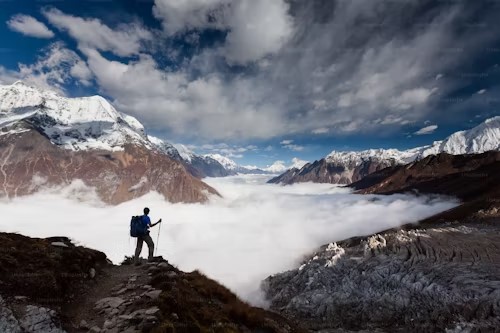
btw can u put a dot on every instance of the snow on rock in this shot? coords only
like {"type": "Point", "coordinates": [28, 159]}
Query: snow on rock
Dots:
{"type": "Point", "coordinates": [356, 158]}
{"type": "Point", "coordinates": [186, 154]}
{"type": "Point", "coordinates": [277, 167]}
{"type": "Point", "coordinates": [165, 147]}
{"type": "Point", "coordinates": [480, 139]}
{"type": "Point", "coordinates": [73, 123]}
{"type": "Point", "coordinates": [226, 162]}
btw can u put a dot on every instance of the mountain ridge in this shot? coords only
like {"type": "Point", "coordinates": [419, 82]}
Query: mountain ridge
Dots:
{"type": "Point", "coordinates": [346, 167]}
{"type": "Point", "coordinates": [50, 140]}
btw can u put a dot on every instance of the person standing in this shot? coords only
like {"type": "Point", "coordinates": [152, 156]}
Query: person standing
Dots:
{"type": "Point", "coordinates": [145, 237]}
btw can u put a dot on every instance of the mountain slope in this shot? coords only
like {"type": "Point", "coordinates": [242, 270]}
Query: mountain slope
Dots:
{"type": "Point", "coordinates": [51, 285]}
{"type": "Point", "coordinates": [349, 167]}
{"type": "Point", "coordinates": [438, 275]}
{"type": "Point", "coordinates": [47, 140]}
{"type": "Point", "coordinates": [199, 166]}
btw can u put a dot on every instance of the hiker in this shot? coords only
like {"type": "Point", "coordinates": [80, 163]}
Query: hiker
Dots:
{"type": "Point", "coordinates": [145, 237]}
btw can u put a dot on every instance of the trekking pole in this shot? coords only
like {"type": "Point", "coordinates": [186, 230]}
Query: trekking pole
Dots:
{"type": "Point", "coordinates": [158, 240]}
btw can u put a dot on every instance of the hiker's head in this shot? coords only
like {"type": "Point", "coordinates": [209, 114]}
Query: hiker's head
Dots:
{"type": "Point", "coordinates": [146, 211]}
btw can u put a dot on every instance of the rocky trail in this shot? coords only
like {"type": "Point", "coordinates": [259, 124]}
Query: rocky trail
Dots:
{"type": "Point", "coordinates": [52, 286]}
{"type": "Point", "coordinates": [122, 300]}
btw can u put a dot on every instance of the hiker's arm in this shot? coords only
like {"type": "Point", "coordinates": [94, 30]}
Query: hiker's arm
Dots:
{"type": "Point", "coordinates": [159, 221]}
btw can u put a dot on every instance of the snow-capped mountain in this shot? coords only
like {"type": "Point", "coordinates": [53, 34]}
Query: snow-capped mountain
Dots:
{"type": "Point", "coordinates": [480, 139]}
{"type": "Point", "coordinates": [198, 165]}
{"type": "Point", "coordinates": [72, 123]}
{"type": "Point", "coordinates": [48, 140]}
{"type": "Point", "coordinates": [345, 167]}
{"type": "Point", "coordinates": [226, 162]}
{"type": "Point", "coordinates": [233, 167]}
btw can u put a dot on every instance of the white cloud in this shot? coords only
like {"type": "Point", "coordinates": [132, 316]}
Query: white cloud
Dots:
{"type": "Point", "coordinates": [411, 98]}
{"type": "Point", "coordinates": [254, 231]}
{"type": "Point", "coordinates": [288, 144]}
{"type": "Point", "coordinates": [426, 130]}
{"type": "Point", "coordinates": [53, 70]}
{"type": "Point", "coordinates": [179, 16]}
{"type": "Point", "coordinates": [8, 76]}
{"type": "Point", "coordinates": [481, 92]}
{"type": "Point", "coordinates": [321, 130]}
{"type": "Point", "coordinates": [256, 28]}
{"type": "Point", "coordinates": [298, 163]}
{"type": "Point", "coordinates": [206, 107]}
{"type": "Point", "coordinates": [125, 40]}
{"type": "Point", "coordinates": [294, 147]}
{"type": "Point", "coordinates": [29, 26]}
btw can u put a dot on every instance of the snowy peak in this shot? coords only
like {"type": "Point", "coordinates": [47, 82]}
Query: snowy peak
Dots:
{"type": "Point", "coordinates": [73, 123]}
{"type": "Point", "coordinates": [480, 139]}
{"type": "Point", "coordinates": [356, 158]}
{"type": "Point", "coordinates": [226, 162]}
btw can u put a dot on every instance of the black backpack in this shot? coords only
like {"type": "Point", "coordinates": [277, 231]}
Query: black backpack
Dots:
{"type": "Point", "coordinates": [137, 227]}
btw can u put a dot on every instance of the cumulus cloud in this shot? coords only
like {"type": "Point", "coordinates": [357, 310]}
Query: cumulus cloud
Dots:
{"type": "Point", "coordinates": [29, 26]}
{"type": "Point", "coordinates": [125, 40]}
{"type": "Point", "coordinates": [56, 67]}
{"type": "Point", "coordinates": [256, 28]}
{"type": "Point", "coordinates": [254, 231]}
{"type": "Point", "coordinates": [207, 107]}
{"type": "Point", "coordinates": [426, 130]}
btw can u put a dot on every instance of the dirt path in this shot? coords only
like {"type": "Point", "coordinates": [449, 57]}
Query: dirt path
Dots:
{"type": "Point", "coordinates": [126, 282]}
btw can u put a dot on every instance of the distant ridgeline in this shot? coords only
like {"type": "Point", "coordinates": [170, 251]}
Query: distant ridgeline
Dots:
{"type": "Point", "coordinates": [348, 167]}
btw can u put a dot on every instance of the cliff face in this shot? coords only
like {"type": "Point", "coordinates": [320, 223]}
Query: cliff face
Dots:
{"type": "Point", "coordinates": [29, 161]}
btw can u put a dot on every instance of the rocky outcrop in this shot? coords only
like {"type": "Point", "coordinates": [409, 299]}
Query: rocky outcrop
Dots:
{"type": "Point", "coordinates": [47, 287]}
{"type": "Point", "coordinates": [30, 162]}
{"type": "Point", "coordinates": [400, 281]}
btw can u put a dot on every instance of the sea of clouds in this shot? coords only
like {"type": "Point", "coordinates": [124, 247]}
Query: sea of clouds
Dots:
{"type": "Point", "coordinates": [253, 231]}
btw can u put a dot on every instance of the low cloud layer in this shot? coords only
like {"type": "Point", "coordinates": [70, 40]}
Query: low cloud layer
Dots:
{"type": "Point", "coordinates": [256, 230]}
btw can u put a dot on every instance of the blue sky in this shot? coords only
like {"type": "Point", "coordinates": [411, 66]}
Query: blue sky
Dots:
{"type": "Point", "coordinates": [261, 81]}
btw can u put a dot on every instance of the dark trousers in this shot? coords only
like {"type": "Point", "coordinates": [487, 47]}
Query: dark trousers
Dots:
{"type": "Point", "coordinates": [151, 246]}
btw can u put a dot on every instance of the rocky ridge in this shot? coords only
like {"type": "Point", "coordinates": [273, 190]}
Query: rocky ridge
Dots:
{"type": "Point", "coordinates": [51, 285]}
{"type": "Point", "coordinates": [346, 167]}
